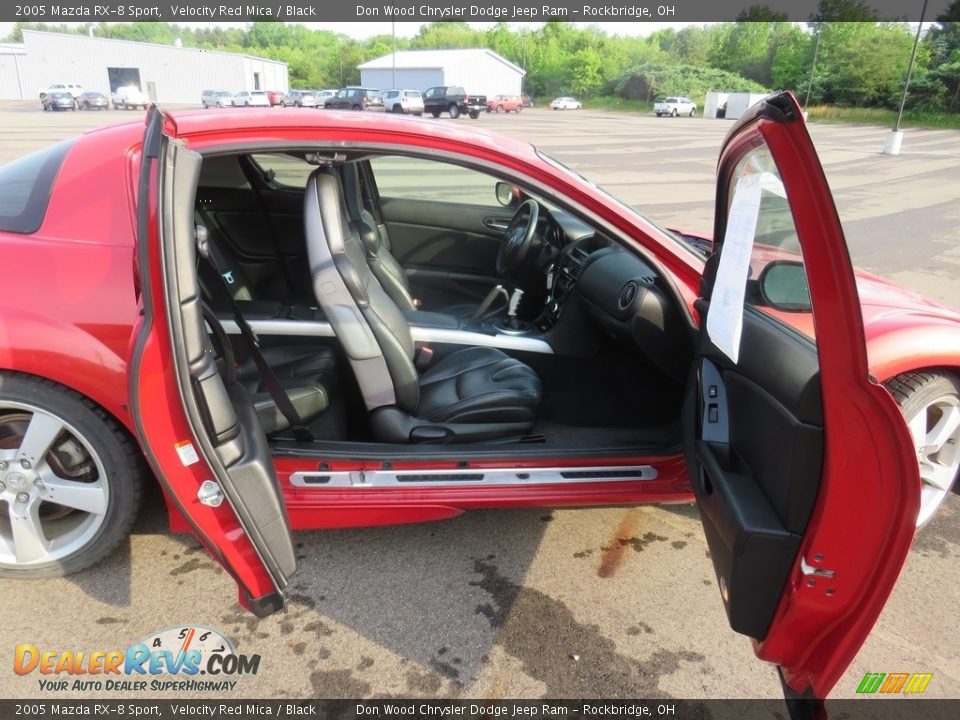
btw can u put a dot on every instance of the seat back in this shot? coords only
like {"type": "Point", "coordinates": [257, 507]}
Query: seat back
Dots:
{"type": "Point", "coordinates": [384, 265]}
{"type": "Point", "coordinates": [237, 281]}
{"type": "Point", "coordinates": [370, 326]}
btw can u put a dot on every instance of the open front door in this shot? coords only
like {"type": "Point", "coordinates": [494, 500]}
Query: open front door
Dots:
{"type": "Point", "coordinates": [197, 427]}
{"type": "Point", "coordinates": [801, 463]}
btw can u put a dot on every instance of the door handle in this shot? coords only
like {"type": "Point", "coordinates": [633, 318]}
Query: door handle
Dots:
{"type": "Point", "coordinates": [496, 224]}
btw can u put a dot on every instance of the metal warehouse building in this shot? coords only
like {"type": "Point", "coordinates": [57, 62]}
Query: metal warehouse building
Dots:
{"type": "Point", "coordinates": [165, 72]}
{"type": "Point", "coordinates": [478, 71]}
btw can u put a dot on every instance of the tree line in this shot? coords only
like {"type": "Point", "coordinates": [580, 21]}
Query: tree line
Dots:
{"type": "Point", "coordinates": [841, 56]}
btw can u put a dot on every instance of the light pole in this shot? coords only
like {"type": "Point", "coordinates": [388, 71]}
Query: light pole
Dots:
{"type": "Point", "coordinates": [393, 32]}
{"type": "Point", "coordinates": [895, 138]}
{"type": "Point", "coordinates": [813, 68]}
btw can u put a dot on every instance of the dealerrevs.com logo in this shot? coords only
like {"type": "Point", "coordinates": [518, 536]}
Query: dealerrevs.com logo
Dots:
{"type": "Point", "coordinates": [188, 658]}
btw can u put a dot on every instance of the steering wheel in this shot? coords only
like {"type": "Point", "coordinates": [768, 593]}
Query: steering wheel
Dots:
{"type": "Point", "coordinates": [518, 236]}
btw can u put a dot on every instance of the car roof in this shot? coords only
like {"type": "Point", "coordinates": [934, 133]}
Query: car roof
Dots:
{"type": "Point", "coordinates": [262, 121]}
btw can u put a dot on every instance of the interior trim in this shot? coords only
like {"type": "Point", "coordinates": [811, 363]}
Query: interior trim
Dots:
{"type": "Point", "coordinates": [312, 328]}
{"type": "Point", "coordinates": [472, 477]}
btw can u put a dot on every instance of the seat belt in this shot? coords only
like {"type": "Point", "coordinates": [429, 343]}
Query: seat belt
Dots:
{"type": "Point", "coordinates": [269, 378]}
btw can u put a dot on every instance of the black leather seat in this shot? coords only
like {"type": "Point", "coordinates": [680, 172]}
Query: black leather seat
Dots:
{"type": "Point", "coordinates": [474, 394]}
{"type": "Point", "coordinates": [383, 264]}
{"type": "Point", "coordinates": [306, 372]}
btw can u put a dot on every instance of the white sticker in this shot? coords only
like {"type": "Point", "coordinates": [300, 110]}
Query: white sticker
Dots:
{"type": "Point", "coordinates": [725, 316]}
{"type": "Point", "coordinates": [187, 452]}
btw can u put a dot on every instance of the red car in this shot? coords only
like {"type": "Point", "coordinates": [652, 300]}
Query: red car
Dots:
{"type": "Point", "coordinates": [314, 321]}
{"type": "Point", "coordinates": [505, 103]}
{"type": "Point", "coordinates": [276, 97]}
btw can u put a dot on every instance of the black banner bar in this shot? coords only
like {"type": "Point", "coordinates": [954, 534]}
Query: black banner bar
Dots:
{"type": "Point", "coordinates": [457, 10]}
{"type": "Point", "coordinates": [874, 708]}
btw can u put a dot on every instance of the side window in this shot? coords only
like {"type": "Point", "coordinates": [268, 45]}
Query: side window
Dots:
{"type": "Point", "coordinates": [418, 179]}
{"type": "Point", "coordinates": [761, 264]}
{"type": "Point", "coordinates": [25, 186]}
{"type": "Point", "coordinates": [284, 170]}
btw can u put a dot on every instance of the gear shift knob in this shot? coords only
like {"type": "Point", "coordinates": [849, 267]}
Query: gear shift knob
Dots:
{"type": "Point", "coordinates": [514, 302]}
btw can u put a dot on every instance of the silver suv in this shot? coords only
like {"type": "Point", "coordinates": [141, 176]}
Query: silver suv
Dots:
{"type": "Point", "coordinates": [409, 102]}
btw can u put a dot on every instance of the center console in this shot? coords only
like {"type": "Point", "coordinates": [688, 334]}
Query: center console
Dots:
{"type": "Point", "coordinates": [565, 276]}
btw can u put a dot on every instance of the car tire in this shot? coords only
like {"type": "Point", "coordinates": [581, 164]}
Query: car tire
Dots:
{"type": "Point", "coordinates": [474, 114]}
{"type": "Point", "coordinates": [453, 111]}
{"type": "Point", "coordinates": [435, 113]}
{"type": "Point", "coordinates": [518, 109]}
{"type": "Point", "coordinates": [693, 112]}
{"type": "Point", "coordinates": [205, 106]}
{"type": "Point", "coordinates": [674, 113]}
{"type": "Point", "coordinates": [930, 403]}
{"type": "Point", "coordinates": [90, 444]}
{"type": "Point", "coordinates": [499, 109]}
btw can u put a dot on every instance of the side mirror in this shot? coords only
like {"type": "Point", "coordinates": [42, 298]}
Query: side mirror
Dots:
{"type": "Point", "coordinates": [507, 194]}
{"type": "Point", "coordinates": [783, 286]}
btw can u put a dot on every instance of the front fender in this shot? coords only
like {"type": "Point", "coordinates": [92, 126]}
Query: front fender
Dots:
{"type": "Point", "coordinates": [907, 341]}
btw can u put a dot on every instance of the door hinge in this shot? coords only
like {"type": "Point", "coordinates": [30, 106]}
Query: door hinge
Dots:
{"type": "Point", "coordinates": [210, 494]}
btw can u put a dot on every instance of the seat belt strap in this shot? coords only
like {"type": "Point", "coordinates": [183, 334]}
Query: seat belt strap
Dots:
{"type": "Point", "coordinates": [269, 378]}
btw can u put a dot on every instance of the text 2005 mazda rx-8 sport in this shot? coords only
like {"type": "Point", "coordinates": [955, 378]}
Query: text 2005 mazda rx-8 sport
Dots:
{"type": "Point", "coordinates": [301, 322]}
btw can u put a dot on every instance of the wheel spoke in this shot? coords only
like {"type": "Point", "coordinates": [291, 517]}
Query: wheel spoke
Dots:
{"type": "Point", "coordinates": [41, 432]}
{"type": "Point", "coordinates": [937, 475]}
{"type": "Point", "coordinates": [918, 429]}
{"type": "Point", "coordinates": [29, 542]}
{"type": "Point", "coordinates": [88, 497]}
{"type": "Point", "coordinates": [944, 429]}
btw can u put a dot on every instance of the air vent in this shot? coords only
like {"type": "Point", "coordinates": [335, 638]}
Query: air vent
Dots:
{"type": "Point", "coordinates": [627, 295]}
{"type": "Point", "coordinates": [575, 262]}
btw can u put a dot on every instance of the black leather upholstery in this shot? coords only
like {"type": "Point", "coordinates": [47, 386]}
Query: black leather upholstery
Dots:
{"type": "Point", "coordinates": [478, 385]}
{"type": "Point", "coordinates": [382, 262]}
{"type": "Point", "coordinates": [475, 393]}
{"type": "Point", "coordinates": [308, 374]}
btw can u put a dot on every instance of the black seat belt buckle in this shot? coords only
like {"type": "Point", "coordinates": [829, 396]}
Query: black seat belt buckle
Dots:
{"type": "Point", "coordinates": [423, 357]}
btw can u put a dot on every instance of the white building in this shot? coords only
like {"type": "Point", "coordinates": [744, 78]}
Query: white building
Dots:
{"type": "Point", "coordinates": [478, 71]}
{"type": "Point", "coordinates": [165, 72]}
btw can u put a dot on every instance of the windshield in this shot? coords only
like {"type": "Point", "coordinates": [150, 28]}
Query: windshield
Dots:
{"type": "Point", "coordinates": [696, 249]}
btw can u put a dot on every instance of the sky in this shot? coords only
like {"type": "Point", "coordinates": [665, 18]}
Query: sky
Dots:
{"type": "Point", "coordinates": [363, 30]}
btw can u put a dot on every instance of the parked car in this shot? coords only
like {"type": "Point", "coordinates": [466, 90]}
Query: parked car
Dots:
{"type": "Point", "coordinates": [92, 100]}
{"type": "Point", "coordinates": [216, 98]}
{"type": "Point", "coordinates": [454, 101]}
{"type": "Point", "coordinates": [355, 98]}
{"type": "Point", "coordinates": [251, 98]}
{"type": "Point", "coordinates": [674, 106]}
{"type": "Point", "coordinates": [565, 103]}
{"type": "Point", "coordinates": [59, 101]}
{"type": "Point", "coordinates": [75, 89]}
{"type": "Point", "coordinates": [300, 98]}
{"type": "Point", "coordinates": [527, 100]}
{"type": "Point", "coordinates": [322, 96]}
{"type": "Point", "coordinates": [654, 366]}
{"type": "Point", "coordinates": [505, 103]}
{"type": "Point", "coordinates": [129, 96]}
{"type": "Point", "coordinates": [275, 97]}
{"type": "Point", "coordinates": [409, 102]}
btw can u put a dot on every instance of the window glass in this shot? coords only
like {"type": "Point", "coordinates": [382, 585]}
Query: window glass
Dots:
{"type": "Point", "coordinates": [288, 171]}
{"type": "Point", "coordinates": [419, 179]}
{"type": "Point", "coordinates": [776, 278]}
{"type": "Point", "coordinates": [25, 186]}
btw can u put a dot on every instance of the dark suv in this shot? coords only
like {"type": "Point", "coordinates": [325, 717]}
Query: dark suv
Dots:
{"type": "Point", "coordinates": [355, 98]}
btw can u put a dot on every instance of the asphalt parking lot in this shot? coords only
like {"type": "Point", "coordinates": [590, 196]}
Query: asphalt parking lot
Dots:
{"type": "Point", "coordinates": [603, 603]}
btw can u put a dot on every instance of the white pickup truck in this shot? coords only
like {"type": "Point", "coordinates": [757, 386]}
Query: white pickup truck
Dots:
{"type": "Point", "coordinates": [674, 106]}
{"type": "Point", "coordinates": [129, 96]}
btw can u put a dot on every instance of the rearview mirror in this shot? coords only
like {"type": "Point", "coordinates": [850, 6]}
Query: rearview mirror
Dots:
{"type": "Point", "coordinates": [507, 193]}
{"type": "Point", "coordinates": [783, 286]}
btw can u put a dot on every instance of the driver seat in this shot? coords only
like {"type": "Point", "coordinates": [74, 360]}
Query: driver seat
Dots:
{"type": "Point", "coordinates": [383, 264]}
{"type": "Point", "coordinates": [477, 393]}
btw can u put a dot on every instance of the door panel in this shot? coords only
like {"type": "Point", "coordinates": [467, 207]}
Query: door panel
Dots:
{"type": "Point", "coordinates": [801, 463]}
{"type": "Point", "coordinates": [199, 431]}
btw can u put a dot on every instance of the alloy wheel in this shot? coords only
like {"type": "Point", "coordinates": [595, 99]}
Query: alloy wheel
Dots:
{"type": "Point", "coordinates": [935, 429]}
{"type": "Point", "coordinates": [54, 493]}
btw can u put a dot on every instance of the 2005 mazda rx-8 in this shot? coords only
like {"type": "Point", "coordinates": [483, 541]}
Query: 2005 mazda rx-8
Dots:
{"type": "Point", "coordinates": [340, 320]}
